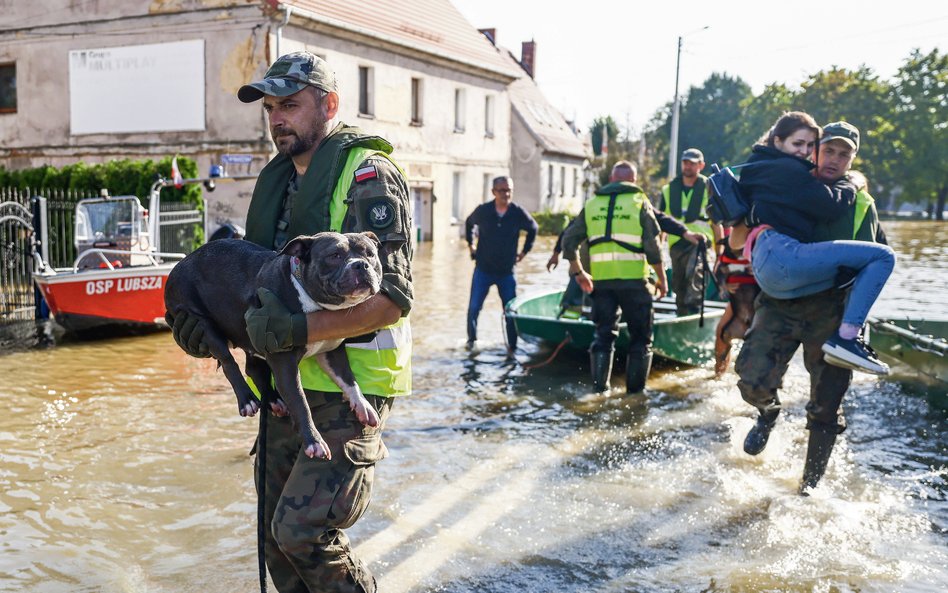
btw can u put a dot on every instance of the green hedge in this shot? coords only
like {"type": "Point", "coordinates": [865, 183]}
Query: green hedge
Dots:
{"type": "Point", "coordinates": [552, 223]}
{"type": "Point", "coordinates": [122, 178]}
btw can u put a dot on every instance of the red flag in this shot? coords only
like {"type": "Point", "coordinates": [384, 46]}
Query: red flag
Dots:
{"type": "Point", "coordinates": [176, 174]}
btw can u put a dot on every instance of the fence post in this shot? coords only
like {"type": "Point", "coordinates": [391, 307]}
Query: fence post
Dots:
{"type": "Point", "coordinates": [38, 206]}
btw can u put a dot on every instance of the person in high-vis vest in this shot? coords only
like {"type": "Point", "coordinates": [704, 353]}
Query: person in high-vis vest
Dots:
{"type": "Point", "coordinates": [340, 179]}
{"type": "Point", "coordinates": [781, 326]}
{"type": "Point", "coordinates": [685, 198]}
{"type": "Point", "coordinates": [622, 234]}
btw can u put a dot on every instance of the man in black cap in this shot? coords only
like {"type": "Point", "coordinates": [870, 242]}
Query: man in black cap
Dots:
{"type": "Point", "coordinates": [324, 178]}
{"type": "Point", "coordinates": [685, 198]}
{"type": "Point", "coordinates": [781, 326]}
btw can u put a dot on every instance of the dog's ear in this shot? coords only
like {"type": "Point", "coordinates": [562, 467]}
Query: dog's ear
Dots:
{"type": "Point", "coordinates": [298, 247]}
{"type": "Point", "coordinates": [374, 238]}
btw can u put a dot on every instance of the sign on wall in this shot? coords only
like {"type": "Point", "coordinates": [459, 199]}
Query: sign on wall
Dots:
{"type": "Point", "coordinates": [140, 88]}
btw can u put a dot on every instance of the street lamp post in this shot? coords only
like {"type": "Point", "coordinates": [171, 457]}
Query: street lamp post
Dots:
{"type": "Point", "coordinates": [676, 108]}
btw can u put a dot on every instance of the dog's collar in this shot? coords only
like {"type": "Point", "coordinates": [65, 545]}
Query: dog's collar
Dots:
{"type": "Point", "coordinates": [296, 276]}
{"type": "Point", "coordinates": [295, 268]}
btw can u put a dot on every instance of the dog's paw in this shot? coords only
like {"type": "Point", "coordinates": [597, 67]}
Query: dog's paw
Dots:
{"type": "Point", "coordinates": [249, 409]}
{"type": "Point", "coordinates": [279, 408]}
{"type": "Point", "coordinates": [365, 412]}
{"type": "Point", "coordinates": [318, 450]}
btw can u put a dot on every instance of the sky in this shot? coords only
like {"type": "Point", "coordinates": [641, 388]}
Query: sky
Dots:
{"type": "Point", "coordinates": [617, 57]}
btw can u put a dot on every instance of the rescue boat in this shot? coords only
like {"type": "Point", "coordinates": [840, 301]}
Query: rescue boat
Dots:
{"type": "Point", "coordinates": [117, 279]}
{"type": "Point", "coordinates": [687, 339]}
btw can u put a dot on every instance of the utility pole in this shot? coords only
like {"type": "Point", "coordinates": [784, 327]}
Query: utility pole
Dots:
{"type": "Point", "coordinates": [673, 141]}
{"type": "Point", "coordinates": [676, 108]}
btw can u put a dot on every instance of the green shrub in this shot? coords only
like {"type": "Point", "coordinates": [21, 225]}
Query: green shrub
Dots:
{"type": "Point", "coordinates": [552, 223]}
{"type": "Point", "coordinates": [120, 177]}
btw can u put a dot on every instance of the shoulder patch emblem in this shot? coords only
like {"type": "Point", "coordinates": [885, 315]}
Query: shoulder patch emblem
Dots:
{"type": "Point", "coordinates": [380, 215]}
{"type": "Point", "coordinates": [366, 173]}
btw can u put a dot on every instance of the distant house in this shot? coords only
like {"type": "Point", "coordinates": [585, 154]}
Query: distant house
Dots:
{"type": "Point", "coordinates": [93, 81]}
{"type": "Point", "coordinates": [548, 159]}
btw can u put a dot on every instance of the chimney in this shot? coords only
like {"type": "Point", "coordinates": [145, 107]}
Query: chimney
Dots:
{"type": "Point", "coordinates": [491, 34]}
{"type": "Point", "coordinates": [528, 57]}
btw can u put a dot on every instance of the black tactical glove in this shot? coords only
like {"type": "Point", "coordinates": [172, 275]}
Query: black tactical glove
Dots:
{"type": "Point", "coordinates": [188, 332]}
{"type": "Point", "coordinates": [272, 327]}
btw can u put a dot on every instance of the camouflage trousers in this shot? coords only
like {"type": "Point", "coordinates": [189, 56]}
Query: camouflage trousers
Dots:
{"type": "Point", "coordinates": [310, 501]}
{"type": "Point", "coordinates": [687, 272]}
{"type": "Point", "coordinates": [779, 328]}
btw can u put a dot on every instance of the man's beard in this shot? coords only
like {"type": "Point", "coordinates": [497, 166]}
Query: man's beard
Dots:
{"type": "Point", "coordinates": [301, 142]}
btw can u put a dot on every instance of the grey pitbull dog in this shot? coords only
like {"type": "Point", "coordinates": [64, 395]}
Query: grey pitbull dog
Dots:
{"type": "Point", "coordinates": [219, 281]}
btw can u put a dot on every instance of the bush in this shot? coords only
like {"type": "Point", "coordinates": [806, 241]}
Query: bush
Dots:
{"type": "Point", "coordinates": [552, 223]}
{"type": "Point", "coordinates": [121, 178]}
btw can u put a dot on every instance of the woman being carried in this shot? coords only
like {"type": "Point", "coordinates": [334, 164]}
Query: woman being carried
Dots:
{"type": "Point", "coordinates": [786, 202]}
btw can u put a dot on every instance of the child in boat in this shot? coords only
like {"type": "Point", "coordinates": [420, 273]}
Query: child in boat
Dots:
{"type": "Point", "coordinates": [786, 201]}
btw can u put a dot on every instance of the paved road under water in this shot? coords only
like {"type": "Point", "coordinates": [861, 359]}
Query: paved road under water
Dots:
{"type": "Point", "coordinates": [124, 467]}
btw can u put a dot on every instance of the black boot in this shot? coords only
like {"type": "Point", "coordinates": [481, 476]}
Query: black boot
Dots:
{"type": "Point", "coordinates": [601, 365]}
{"type": "Point", "coordinates": [756, 439]}
{"type": "Point", "coordinates": [818, 450]}
{"type": "Point", "coordinates": [636, 372]}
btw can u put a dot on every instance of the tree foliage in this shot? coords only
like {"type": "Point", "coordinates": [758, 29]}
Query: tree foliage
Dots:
{"type": "Point", "coordinates": [920, 122]}
{"type": "Point", "coordinates": [121, 178]}
{"type": "Point", "coordinates": [704, 115]}
{"type": "Point", "coordinates": [902, 123]}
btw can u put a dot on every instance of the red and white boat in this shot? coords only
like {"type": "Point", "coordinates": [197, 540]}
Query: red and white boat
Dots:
{"type": "Point", "coordinates": [117, 280]}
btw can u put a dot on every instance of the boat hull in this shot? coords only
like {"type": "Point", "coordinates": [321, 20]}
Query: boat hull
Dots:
{"type": "Point", "coordinates": [684, 339]}
{"type": "Point", "coordinates": [124, 298]}
{"type": "Point", "coordinates": [920, 344]}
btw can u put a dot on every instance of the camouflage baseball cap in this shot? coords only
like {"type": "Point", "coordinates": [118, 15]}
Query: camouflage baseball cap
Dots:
{"type": "Point", "coordinates": [841, 130]}
{"type": "Point", "coordinates": [288, 75]}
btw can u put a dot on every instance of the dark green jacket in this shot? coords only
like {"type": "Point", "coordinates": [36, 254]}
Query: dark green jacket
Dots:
{"type": "Point", "coordinates": [310, 213]}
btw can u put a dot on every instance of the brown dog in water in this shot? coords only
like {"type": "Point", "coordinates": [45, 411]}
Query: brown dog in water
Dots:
{"type": "Point", "coordinates": [737, 284]}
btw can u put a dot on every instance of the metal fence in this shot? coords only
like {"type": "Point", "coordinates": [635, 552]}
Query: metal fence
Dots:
{"type": "Point", "coordinates": [181, 231]}
{"type": "Point", "coordinates": [17, 300]}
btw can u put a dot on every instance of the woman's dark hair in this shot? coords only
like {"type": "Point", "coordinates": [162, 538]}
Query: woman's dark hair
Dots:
{"type": "Point", "coordinates": [787, 124]}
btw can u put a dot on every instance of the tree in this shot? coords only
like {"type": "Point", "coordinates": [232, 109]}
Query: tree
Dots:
{"type": "Point", "coordinates": [920, 123]}
{"type": "Point", "coordinates": [862, 99]}
{"type": "Point", "coordinates": [756, 116]}
{"type": "Point", "coordinates": [705, 113]}
{"type": "Point", "coordinates": [596, 130]}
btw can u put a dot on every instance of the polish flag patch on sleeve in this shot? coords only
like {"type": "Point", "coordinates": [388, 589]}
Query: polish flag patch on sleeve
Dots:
{"type": "Point", "coordinates": [365, 173]}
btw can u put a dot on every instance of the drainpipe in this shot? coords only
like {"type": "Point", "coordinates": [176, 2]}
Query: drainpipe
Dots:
{"type": "Point", "coordinates": [288, 10]}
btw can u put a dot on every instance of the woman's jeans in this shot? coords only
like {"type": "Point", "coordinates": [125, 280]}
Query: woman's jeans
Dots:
{"type": "Point", "coordinates": [788, 269]}
{"type": "Point", "coordinates": [480, 286]}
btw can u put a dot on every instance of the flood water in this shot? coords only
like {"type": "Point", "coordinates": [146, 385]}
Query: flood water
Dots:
{"type": "Point", "coordinates": [124, 467]}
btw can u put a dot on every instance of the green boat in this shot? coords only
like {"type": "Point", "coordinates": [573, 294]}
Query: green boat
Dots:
{"type": "Point", "coordinates": [681, 339]}
{"type": "Point", "coordinates": [920, 344]}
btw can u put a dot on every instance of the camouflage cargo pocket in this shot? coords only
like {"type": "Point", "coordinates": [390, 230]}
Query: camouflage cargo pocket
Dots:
{"type": "Point", "coordinates": [356, 492]}
{"type": "Point", "coordinates": [366, 449]}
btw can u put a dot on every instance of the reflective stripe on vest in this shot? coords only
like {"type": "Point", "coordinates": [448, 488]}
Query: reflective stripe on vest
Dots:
{"type": "Point", "coordinates": [381, 366]}
{"type": "Point", "coordinates": [608, 259]}
{"type": "Point", "coordinates": [863, 201]}
{"type": "Point", "coordinates": [698, 226]}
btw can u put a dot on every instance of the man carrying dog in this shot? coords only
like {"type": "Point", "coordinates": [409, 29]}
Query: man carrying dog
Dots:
{"type": "Point", "coordinates": [685, 198]}
{"type": "Point", "coordinates": [780, 326]}
{"type": "Point", "coordinates": [324, 178]}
